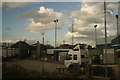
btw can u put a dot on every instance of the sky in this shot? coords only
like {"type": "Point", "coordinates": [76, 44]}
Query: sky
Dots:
{"type": "Point", "coordinates": [28, 20]}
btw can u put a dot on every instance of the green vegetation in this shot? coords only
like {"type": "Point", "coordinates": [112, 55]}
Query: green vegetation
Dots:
{"type": "Point", "coordinates": [95, 56]}
{"type": "Point", "coordinates": [93, 52]}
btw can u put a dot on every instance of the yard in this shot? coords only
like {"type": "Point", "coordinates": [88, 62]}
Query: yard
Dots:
{"type": "Point", "coordinates": [34, 69]}
{"type": "Point", "coordinates": [36, 65]}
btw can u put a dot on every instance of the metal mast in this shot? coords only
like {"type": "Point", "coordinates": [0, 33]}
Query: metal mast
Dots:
{"type": "Point", "coordinates": [105, 39]}
{"type": "Point", "coordinates": [55, 21]}
{"type": "Point", "coordinates": [72, 33]}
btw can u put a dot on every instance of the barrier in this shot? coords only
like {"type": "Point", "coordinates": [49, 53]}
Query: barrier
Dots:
{"type": "Point", "coordinates": [62, 70]}
{"type": "Point", "coordinates": [105, 65]}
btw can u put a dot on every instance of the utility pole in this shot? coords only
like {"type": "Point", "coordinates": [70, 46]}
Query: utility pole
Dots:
{"type": "Point", "coordinates": [47, 42]}
{"type": "Point", "coordinates": [43, 38]}
{"type": "Point", "coordinates": [43, 55]}
{"type": "Point", "coordinates": [95, 26]}
{"type": "Point", "coordinates": [55, 21]}
{"type": "Point", "coordinates": [72, 33]}
{"type": "Point", "coordinates": [106, 71]}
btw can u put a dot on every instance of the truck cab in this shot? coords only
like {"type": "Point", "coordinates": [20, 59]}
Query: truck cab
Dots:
{"type": "Point", "coordinates": [78, 55]}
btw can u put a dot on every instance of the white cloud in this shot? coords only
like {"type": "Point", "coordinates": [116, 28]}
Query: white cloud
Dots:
{"type": "Point", "coordinates": [7, 41]}
{"type": "Point", "coordinates": [29, 40]}
{"type": "Point", "coordinates": [102, 40]}
{"type": "Point", "coordinates": [76, 34]}
{"type": "Point", "coordinates": [90, 14]}
{"type": "Point", "coordinates": [43, 19]}
{"type": "Point", "coordinates": [78, 38]}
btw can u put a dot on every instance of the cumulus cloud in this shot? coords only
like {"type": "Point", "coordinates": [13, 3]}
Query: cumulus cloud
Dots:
{"type": "Point", "coordinates": [43, 19]}
{"type": "Point", "coordinates": [76, 34]}
{"type": "Point", "coordinates": [90, 14]}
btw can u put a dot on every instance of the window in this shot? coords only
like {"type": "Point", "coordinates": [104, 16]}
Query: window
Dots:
{"type": "Point", "coordinates": [75, 57]}
{"type": "Point", "coordinates": [76, 50]}
{"type": "Point", "coordinates": [82, 56]}
{"type": "Point", "coordinates": [82, 47]}
{"type": "Point", "coordinates": [68, 57]}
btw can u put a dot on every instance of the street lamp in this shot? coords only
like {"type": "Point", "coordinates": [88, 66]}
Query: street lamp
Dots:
{"type": "Point", "coordinates": [47, 42]}
{"type": "Point", "coordinates": [117, 30]}
{"type": "Point", "coordinates": [55, 21]}
{"type": "Point", "coordinates": [95, 35]}
{"type": "Point", "coordinates": [63, 41]}
{"type": "Point", "coordinates": [117, 17]}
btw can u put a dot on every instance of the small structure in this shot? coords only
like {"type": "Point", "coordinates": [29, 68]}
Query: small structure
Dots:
{"type": "Point", "coordinates": [112, 43]}
{"type": "Point", "coordinates": [37, 50]}
{"type": "Point", "coordinates": [58, 54]}
{"type": "Point", "coordinates": [110, 57]}
{"type": "Point", "coordinates": [23, 49]}
{"type": "Point", "coordinates": [65, 46]}
{"type": "Point", "coordinates": [116, 42]}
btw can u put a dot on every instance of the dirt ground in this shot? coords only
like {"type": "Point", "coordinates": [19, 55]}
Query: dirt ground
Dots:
{"type": "Point", "coordinates": [48, 66]}
{"type": "Point", "coordinates": [36, 65]}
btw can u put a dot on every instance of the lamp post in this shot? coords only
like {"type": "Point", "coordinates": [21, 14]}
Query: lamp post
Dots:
{"type": "Point", "coordinates": [95, 26]}
{"type": "Point", "coordinates": [117, 30]}
{"type": "Point", "coordinates": [55, 21]}
{"type": "Point", "coordinates": [117, 17]}
{"type": "Point", "coordinates": [47, 42]}
{"type": "Point", "coordinates": [63, 41]}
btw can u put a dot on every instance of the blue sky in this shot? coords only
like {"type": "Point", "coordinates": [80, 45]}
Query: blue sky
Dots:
{"type": "Point", "coordinates": [29, 20]}
{"type": "Point", "coordinates": [14, 27]}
